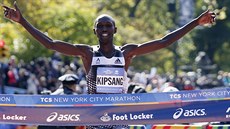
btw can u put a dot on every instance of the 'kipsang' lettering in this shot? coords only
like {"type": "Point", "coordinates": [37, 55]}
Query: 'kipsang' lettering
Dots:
{"type": "Point", "coordinates": [109, 80]}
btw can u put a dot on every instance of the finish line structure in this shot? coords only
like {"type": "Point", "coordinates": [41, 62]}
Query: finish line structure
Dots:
{"type": "Point", "coordinates": [116, 109]}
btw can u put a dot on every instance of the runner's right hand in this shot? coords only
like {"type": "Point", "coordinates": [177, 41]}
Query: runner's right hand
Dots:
{"type": "Point", "coordinates": [12, 13]}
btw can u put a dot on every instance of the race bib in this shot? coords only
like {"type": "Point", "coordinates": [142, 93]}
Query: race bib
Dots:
{"type": "Point", "coordinates": [110, 80]}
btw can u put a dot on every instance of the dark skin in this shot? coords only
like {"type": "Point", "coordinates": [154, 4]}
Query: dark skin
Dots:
{"type": "Point", "coordinates": [105, 29]}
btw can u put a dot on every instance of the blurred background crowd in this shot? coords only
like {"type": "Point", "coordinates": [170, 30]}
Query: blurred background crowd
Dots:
{"type": "Point", "coordinates": [41, 75]}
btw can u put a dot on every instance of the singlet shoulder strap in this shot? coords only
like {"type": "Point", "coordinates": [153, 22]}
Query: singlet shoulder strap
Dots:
{"type": "Point", "coordinates": [118, 47]}
{"type": "Point", "coordinates": [95, 47]}
{"type": "Point", "coordinates": [95, 50]}
{"type": "Point", "coordinates": [118, 51]}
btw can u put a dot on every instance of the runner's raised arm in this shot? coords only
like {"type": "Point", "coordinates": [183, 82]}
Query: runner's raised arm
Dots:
{"type": "Point", "coordinates": [15, 15]}
{"type": "Point", "coordinates": [207, 17]}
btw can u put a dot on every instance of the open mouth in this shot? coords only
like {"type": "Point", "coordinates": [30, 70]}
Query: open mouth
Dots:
{"type": "Point", "coordinates": [105, 35]}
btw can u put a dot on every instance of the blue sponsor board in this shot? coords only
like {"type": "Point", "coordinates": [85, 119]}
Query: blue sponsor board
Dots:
{"type": "Point", "coordinates": [159, 108]}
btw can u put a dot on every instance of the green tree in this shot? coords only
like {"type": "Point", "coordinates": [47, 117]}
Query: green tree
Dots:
{"type": "Point", "coordinates": [71, 21]}
{"type": "Point", "coordinates": [137, 21]}
{"type": "Point", "coordinates": [215, 40]}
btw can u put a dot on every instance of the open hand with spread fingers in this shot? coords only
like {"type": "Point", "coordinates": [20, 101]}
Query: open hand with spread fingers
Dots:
{"type": "Point", "coordinates": [12, 13]}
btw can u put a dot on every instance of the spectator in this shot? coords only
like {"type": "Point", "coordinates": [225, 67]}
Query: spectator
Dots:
{"type": "Point", "coordinates": [68, 86]}
{"type": "Point", "coordinates": [32, 84]}
{"type": "Point", "coordinates": [136, 88]}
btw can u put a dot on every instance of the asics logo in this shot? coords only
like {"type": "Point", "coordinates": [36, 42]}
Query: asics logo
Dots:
{"type": "Point", "coordinates": [178, 113]}
{"type": "Point", "coordinates": [62, 117]}
{"type": "Point", "coordinates": [188, 113]}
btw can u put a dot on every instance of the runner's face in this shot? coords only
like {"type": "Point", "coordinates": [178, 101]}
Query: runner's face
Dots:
{"type": "Point", "coordinates": [104, 28]}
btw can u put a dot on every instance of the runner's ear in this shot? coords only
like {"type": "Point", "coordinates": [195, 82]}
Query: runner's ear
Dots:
{"type": "Point", "coordinates": [94, 31]}
{"type": "Point", "coordinates": [115, 30]}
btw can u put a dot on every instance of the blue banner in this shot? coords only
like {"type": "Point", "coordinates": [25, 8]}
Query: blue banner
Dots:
{"type": "Point", "coordinates": [106, 109]}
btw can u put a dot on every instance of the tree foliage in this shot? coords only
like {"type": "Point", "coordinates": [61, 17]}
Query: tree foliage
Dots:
{"type": "Point", "coordinates": [215, 40]}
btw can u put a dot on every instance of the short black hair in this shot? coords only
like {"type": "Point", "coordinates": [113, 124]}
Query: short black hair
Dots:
{"type": "Point", "coordinates": [104, 15]}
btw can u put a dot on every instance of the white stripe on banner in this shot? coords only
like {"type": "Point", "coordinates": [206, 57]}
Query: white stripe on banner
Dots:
{"type": "Point", "coordinates": [105, 109]}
